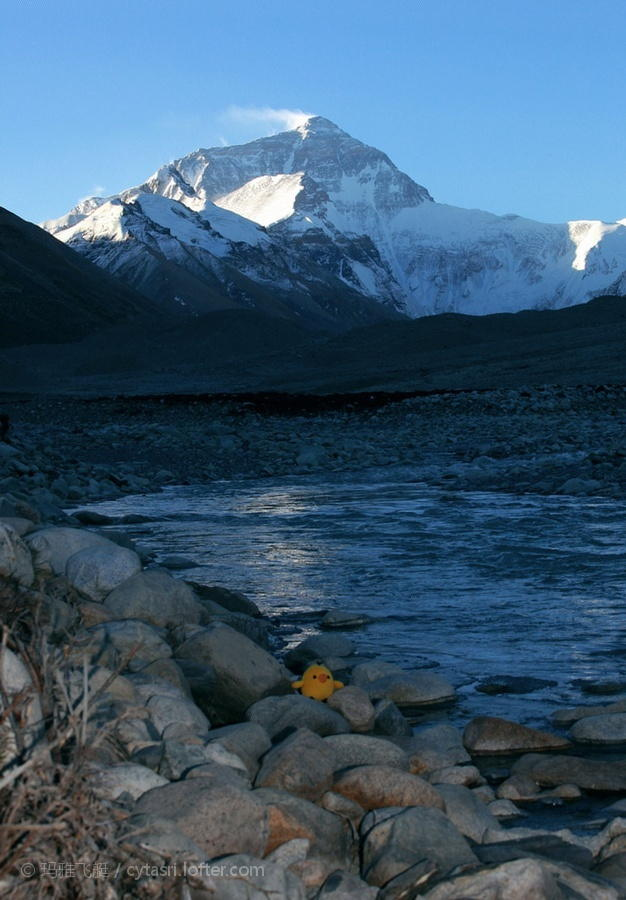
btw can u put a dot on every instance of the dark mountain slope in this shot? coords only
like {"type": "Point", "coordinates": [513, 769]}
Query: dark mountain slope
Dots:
{"type": "Point", "coordinates": [50, 293]}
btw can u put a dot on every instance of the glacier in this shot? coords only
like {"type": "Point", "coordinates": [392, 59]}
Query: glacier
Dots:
{"type": "Point", "coordinates": [334, 226]}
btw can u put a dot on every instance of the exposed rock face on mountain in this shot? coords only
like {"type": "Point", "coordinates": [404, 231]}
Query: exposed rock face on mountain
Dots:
{"type": "Point", "coordinates": [322, 223]}
{"type": "Point", "coordinates": [50, 293]}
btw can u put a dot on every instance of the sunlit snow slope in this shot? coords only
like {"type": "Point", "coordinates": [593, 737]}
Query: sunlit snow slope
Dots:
{"type": "Point", "coordinates": [315, 205]}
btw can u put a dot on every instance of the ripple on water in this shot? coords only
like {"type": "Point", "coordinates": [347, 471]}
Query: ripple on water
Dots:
{"type": "Point", "coordinates": [483, 584]}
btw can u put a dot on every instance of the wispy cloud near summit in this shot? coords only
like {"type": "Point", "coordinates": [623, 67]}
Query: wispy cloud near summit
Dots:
{"type": "Point", "coordinates": [273, 119]}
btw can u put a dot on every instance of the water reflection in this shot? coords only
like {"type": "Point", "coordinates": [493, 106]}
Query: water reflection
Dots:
{"type": "Point", "coordinates": [483, 584]}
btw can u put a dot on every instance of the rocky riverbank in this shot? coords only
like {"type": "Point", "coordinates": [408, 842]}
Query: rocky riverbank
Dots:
{"type": "Point", "coordinates": [563, 440]}
{"type": "Point", "coordinates": [170, 703]}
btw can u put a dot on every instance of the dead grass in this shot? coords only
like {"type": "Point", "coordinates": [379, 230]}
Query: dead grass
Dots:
{"type": "Point", "coordinates": [58, 839]}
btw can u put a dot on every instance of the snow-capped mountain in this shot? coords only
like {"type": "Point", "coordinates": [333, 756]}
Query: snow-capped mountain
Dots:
{"type": "Point", "coordinates": [314, 220]}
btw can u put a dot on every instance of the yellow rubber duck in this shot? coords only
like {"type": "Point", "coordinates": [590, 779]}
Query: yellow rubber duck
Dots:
{"type": "Point", "coordinates": [317, 683]}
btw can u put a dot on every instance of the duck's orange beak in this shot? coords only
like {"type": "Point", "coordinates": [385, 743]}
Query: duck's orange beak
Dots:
{"type": "Point", "coordinates": [322, 677]}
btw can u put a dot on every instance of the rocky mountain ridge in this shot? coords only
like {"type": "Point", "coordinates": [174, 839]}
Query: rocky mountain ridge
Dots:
{"type": "Point", "coordinates": [323, 224]}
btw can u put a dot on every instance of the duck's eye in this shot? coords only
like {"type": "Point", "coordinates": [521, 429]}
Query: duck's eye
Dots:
{"type": "Point", "coordinates": [315, 676]}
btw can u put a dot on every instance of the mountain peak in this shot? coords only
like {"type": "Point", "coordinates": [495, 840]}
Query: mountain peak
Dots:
{"type": "Point", "coordinates": [318, 125]}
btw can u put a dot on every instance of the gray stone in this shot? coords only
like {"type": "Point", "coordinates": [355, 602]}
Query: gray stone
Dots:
{"type": "Point", "coordinates": [123, 778]}
{"type": "Point", "coordinates": [355, 706]}
{"type": "Point", "coordinates": [244, 672]}
{"type": "Point", "coordinates": [301, 764]}
{"type": "Point", "coordinates": [411, 690]}
{"type": "Point", "coordinates": [518, 787]}
{"type": "Point", "coordinates": [504, 809]}
{"type": "Point", "coordinates": [294, 817]}
{"type": "Point", "coordinates": [336, 618]}
{"type": "Point", "coordinates": [467, 776]}
{"type": "Point", "coordinates": [179, 759]}
{"type": "Point", "coordinates": [15, 559]}
{"type": "Point", "coordinates": [248, 740]}
{"type": "Point", "coordinates": [569, 715]}
{"type": "Point", "coordinates": [53, 546]}
{"type": "Point", "coordinates": [219, 818]}
{"type": "Point", "coordinates": [363, 750]}
{"type": "Point", "coordinates": [212, 596]}
{"type": "Point", "coordinates": [158, 834]}
{"type": "Point", "coordinates": [525, 879]}
{"type": "Point", "coordinates": [467, 812]}
{"type": "Point", "coordinates": [258, 630]}
{"type": "Point", "coordinates": [96, 571]}
{"type": "Point", "coordinates": [318, 646]}
{"type": "Point", "coordinates": [434, 747]}
{"type": "Point", "coordinates": [19, 524]}
{"type": "Point", "coordinates": [129, 639]}
{"type": "Point", "coordinates": [488, 735]}
{"type": "Point", "coordinates": [373, 787]}
{"type": "Point", "coordinates": [278, 713]}
{"type": "Point", "coordinates": [166, 710]}
{"type": "Point", "coordinates": [389, 720]}
{"type": "Point", "coordinates": [412, 835]}
{"type": "Point", "coordinates": [606, 729]}
{"type": "Point", "coordinates": [367, 672]}
{"type": "Point", "coordinates": [155, 597]}
{"type": "Point", "coordinates": [244, 877]}
{"type": "Point", "coordinates": [15, 679]}
{"type": "Point", "coordinates": [342, 885]}
{"type": "Point", "coordinates": [588, 774]}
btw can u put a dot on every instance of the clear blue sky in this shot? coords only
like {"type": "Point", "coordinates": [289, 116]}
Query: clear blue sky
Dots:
{"type": "Point", "coordinates": [505, 105]}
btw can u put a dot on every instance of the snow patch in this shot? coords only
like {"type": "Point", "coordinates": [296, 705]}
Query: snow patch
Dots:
{"type": "Point", "coordinates": [265, 200]}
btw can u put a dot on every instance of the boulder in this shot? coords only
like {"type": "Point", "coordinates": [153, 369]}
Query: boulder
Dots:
{"type": "Point", "coordinates": [258, 630]}
{"type": "Point", "coordinates": [573, 714]}
{"type": "Point", "coordinates": [248, 740]}
{"type": "Point", "coordinates": [434, 747]}
{"type": "Point", "coordinates": [355, 706]}
{"type": "Point", "coordinates": [179, 759]}
{"type": "Point", "coordinates": [221, 819]}
{"type": "Point", "coordinates": [155, 597]}
{"type": "Point", "coordinates": [363, 750]}
{"type": "Point", "coordinates": [53, 546]}
{"type": "Point", "coordinates": [414, 834]}
{"type": "Point", "coordinates": [242, 876]}
{"type": "Point", "coordinates": [19, 524]}
{"type": "Point", "coordinates": [518, 787]}
{"type": "Point", "coordinates": [467, 776]}
{"type": "Point", "coordinates": [166, 710]}
{"type": "Point", "coordinates": [301, 764]}
{"type": "Point", "coordinates": [367, 672]}
{"type": "Point", "coordinates": [244, 672]}
{"type": "Point", "coordinates": [215, 598]}
{"type": "Point", "coordinates": [294, 817]}
{"type": "Point", "coordinates": [389, 720]}
{"type": "Point", "coordinates": [96, 571]}
{"type": "Point", "coordinates": [411, 690]}
{"type": "Point", "coordinates": [523, 879]}
{"type": "Point", "coordinates": [467, 812]}
{"type": "Point", "coordinates": [342, 806]}
{"type": "Point", "coordinates": [336, 618]}
{"type": "Point", "coordinates": [489, 735]}
{"type": "Point", "coordinates": [15, 679]}
{"type": "Point", "coordinates": [606, 729]}
{"type": "Point", "coordinates": [318, 646]}
{"type": "Point", "coordinates": [128, 639]}
{"type": "Point", "coordinates": [276, 714]}
{"type": "Point", "coordinates": [158, 834]}
{"type": "Point", "coordinates": [15, 559]}
{"type": "Point", "coordinates": [125, 778]}
{"type": "Point", "coordinates": [342, 885]}
{"type": "Point", "coordinates": [373, 787]}
{"type": "Point", "coordinates": [588, 774]}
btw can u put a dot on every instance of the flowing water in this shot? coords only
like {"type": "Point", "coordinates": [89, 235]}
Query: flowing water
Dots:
{"type": "Point", "coordinates": [480, 584]}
